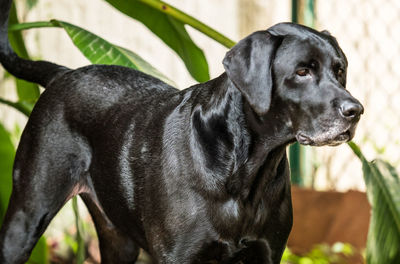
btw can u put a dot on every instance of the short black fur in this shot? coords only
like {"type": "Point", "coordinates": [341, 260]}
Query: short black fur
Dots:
{"type": "Point", "coordinates": [192, 176]}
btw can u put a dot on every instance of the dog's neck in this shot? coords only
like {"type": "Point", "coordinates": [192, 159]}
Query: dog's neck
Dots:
{"type": "Point", "coordinates": [259, 142]}
{"type": "Point", "coordinates": [270, 130]}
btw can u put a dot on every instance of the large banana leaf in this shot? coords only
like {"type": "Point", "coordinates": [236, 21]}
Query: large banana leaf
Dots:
{"type": "Point", "coordinates": [96, 49]}
{"type": "Point", "coordinates": [100, 51]}
{"type": "Point", "coordinates": [169, 30]}
{"type": "Point", "coordinates": [383, 191]}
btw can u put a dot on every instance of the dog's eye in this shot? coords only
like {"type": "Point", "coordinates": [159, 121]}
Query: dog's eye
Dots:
{"type": "Point", "coordinates": [313, 65]}
{"type": "Point", "coordinates": [303, 72]}
{"type": "Point", "coordinates": [340, 72]}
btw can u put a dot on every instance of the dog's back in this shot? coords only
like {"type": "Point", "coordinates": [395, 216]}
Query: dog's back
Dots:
{"type": "Point", "coordinates": [90, 93]}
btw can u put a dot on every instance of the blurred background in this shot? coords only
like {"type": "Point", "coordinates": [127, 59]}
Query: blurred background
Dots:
{"type": "Point", "coordinates": [367, 31]}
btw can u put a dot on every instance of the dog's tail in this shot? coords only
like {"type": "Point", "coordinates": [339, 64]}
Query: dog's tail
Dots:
{"type": "Point", "coordinates": [40, 72]}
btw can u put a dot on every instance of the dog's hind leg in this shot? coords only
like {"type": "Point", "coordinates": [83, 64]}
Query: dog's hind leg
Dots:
{"type": "Point", "coordinates": [48, 167]}
{"type": "Point", "coordinates": [115, 246]}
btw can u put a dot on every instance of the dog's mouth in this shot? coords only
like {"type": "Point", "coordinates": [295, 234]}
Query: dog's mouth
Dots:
{"type": "Point", "coordinates": [325, 139]}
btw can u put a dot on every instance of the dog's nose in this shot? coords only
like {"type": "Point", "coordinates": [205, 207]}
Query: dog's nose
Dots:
{"type": "Point", "coordinates": [351, 110]}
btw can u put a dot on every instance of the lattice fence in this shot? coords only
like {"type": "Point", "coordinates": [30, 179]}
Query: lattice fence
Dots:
{"type": "Point", "coordinates": [369, 33]}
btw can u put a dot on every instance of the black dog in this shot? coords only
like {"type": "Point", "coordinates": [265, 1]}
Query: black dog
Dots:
{"type": "Point", "coordinates": [192, 176]}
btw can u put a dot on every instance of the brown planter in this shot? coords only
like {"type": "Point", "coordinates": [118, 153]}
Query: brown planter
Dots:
{"type": "Point", "coordinates": [328, 217]}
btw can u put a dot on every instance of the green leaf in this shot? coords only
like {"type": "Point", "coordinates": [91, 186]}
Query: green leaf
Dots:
{"type": "Point", "coordinates": [31, 4]}
{"type": "Point", "coordinates": [27, 91]}
{"type": "Point", "coordinates": [40, 253]}
{"type": "Point", "coordinates": [23, 107]}
{"type": "Point", "coordinates": [96, 49]}
{"type": "Point", "coordinates": [144, 66]}
{"type": "Point", "coordinates": [7, 153]}
{"type": "Point", "coordinates": [100, 51]}
{"type": "Point", "coordinates": [80, 250]}
{"type": "Point", "coordinates": [188, 20]}
{"type": "Point", "coordinates": [169, 30]}
{"type": "Point", "coordinates": [383, 191]}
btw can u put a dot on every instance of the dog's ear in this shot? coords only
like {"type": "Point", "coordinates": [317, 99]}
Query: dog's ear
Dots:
{"type": "Point", "coordinates": [248, 65]}
{"type": "Point", "coordinates": [326, 32]}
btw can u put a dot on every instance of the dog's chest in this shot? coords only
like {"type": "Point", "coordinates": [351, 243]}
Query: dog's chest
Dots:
{"type": "Point", "coordinates": [230, 210]}
{"type": "Point", "coordinates": [234, 219]}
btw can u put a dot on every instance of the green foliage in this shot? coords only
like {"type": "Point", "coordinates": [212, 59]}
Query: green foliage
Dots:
{"type": "Point", "coordinates": [40, 254]}
{"type": "Point", "coordinates": [15, 135]}
{"type": "Point", "coordinates": [100, 51]}
{"type": "Point", "coordinates": [7, 153]}
{"type": "Point", "coordinates": [80, 243]}
{"type": "Point", "coordinates": [22, 106]}
{"type": "Point", "coordinates": [97, 50]}
{"type": "Point", "coordinates": [321, 254]}
{"type": "Point", "coordinates": [31, 3]}
{"type": "Point", "coordinates": [383, 191]}
{"type": "Point", "coordinates": [169, 30]}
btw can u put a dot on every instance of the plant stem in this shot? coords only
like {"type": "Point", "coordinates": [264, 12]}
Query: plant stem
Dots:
{"type": "Point", "coordinates": [19, 106]}
{"type": "Point", "coordinates": [39, 24]}
{"type": "Point", "coordinates": [356, 149]}
{"type": "Point", "coordinates": [191, 21]}
{"type": "Point", "coordinates": [80, 253]}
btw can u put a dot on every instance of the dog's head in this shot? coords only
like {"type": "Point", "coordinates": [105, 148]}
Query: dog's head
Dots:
{"type": "Point", "coordinates": [301, 72]}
